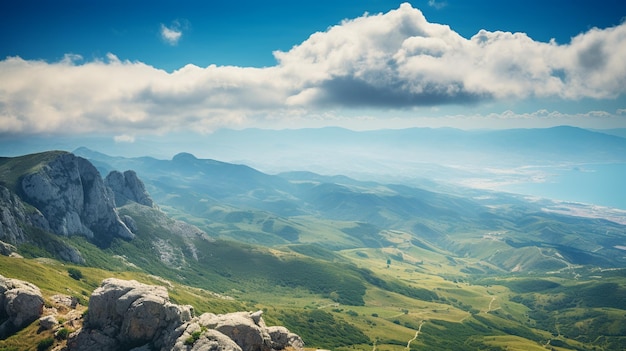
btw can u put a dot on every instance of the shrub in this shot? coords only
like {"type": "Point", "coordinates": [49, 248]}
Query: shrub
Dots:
{"type": "Point", "coordinates": [193, 338]}
{"type": "Point", "coordinates": [75, 273]}
{"type": "Point", "coordinates": [62, 334]}
{"type": "Point", "coordinates": [45, 344]}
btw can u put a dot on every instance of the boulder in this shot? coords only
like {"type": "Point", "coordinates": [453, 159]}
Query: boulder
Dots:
{"type": "Point", "coordinates": [6, 249]}
{"type": "Point", "coordinates": [242, 328]}
{"type": "Point", "coordinates": [207, 340]}
{"type": "Point", "coordinates": [48, 322]}
{"type": "Point", "coordinates": [21, 303]}
{"type": "Point", "coordinates": [127, 313]}
{"type": "Point", "coordinates": [282, 337]}
{"type": "Point", "coordinates": [65, 300]}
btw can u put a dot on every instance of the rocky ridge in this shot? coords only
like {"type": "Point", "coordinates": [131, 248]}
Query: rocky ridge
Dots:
{"type": "Point", "coordinates": [65, 195]}
{"type": "Point", "coordinates": [72, 196]}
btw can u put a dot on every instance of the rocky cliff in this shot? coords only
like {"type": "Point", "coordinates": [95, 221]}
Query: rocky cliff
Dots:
{"type": "Point", "coordinates": [72, 196]}
{"type": "Point", "coordinates": [128, 187]}
{"type": "Point", "coordinates": [13, 214]}
{"type": "Point", "coordinates": [63, 194]}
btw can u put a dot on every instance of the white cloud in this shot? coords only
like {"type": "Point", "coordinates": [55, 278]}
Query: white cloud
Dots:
{"type": "Point", "coordinates": [399, 58]}
{"type": "Point", "coordinates": [378, 62]}
{"type": "Point", "coordinates": [437, 4]}
{"type": "Point", "coordinates": [124, 138]}
{"type": "Point", "coordinates": [171, 34]}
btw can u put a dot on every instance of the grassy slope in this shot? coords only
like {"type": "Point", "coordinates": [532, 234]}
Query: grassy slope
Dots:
{"type": "Point", "coordinates": [518, 311]}
{"type": "Point", "coordinates": [11, 169]}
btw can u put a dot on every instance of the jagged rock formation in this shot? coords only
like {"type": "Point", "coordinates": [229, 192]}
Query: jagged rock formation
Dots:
{"type": "Point", "coordinates": [127, 314]}
{"type": "Point", "coordinates": [21, 303]}
{"type": "Point", "coordinates": [72, 196]}
{"type": "Point", "coordinates": [13, 213]}
{"type": "Point", "coordinates": [127, 187]}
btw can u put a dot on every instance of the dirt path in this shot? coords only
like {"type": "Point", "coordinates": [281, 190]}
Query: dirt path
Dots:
{"type": "Point", "coordinates": [493, 298]}
{"type": "Point", "coordinates": [417, 333]}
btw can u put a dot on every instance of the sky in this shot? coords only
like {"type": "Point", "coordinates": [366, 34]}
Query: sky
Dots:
{"type": "Point", "coordinates": [130, 68]}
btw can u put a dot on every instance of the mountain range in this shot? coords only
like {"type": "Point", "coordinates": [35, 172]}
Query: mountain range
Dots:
{"type": "Point", "coordinates": [344, 263]}
{"type": "Point", "coordinates": [391, 262]}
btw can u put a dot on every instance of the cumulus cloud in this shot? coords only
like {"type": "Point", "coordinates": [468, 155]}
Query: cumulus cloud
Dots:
{"type": "Point", "coordinates": [172, 34]}
{"type": "Point", "coordinates": [403, 59]}
{"type": "Point", "coordinates": [392, 60]}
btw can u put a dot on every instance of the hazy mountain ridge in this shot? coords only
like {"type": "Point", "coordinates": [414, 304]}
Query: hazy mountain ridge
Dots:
{"type": "Point", "coordinates": [202, 188]}
{"type": "Point", "coordinates": [523, 161]}
{"type": "Point", "coordinates": [300, 149]}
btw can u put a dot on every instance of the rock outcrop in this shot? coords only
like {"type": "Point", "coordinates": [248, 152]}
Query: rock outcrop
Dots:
{"type": "Point", "coordinates": [72, 196]}
{"type": "Point", "coordinates": [127, 314]}
{"type": "Point", "coordinates": [13, 213]}
{"type": "Point", "coordinates": [14, 216]}
{"type": "Point", "coordinates": [21, 303]}
{"type": "Point", "coordinates": [128, 187]}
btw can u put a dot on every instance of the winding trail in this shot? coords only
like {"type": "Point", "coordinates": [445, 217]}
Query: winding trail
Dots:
{"type": "Point", "coordinates": [417, 333]}
{"type": "Point", "coordinates": [493, 298]}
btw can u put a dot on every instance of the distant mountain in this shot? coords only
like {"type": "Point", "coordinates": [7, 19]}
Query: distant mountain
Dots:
{"type": "Point", "coordinates": [402, 153]}
{"type": "Point", "coordinates": [620, 132]}
{"type": "Point", "coordinates": [243, 204]}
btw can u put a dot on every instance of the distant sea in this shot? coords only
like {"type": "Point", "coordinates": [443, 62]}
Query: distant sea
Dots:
{"type": "Point", "coordinates": [598, 184]}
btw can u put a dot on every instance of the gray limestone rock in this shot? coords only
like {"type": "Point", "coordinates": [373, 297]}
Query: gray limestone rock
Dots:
{"type": "Point", "coordinates": [12, 213]}
{"type": "Point", "coordinates": [21, 303]}
{"type": "Point", "coordinates": [282, 337]}
{"type": "Point", "coordinates": [209, 340]}
{"type": "Point", "coordinates": [73, 198]}
{"type": "Point", "coordinates": [130, 315]}
{"type": "Point", "coordinates": [6, 249]}
{"type": "Point", "coordinates": [128, 187]}
{"type": "Point", "coordinates": [242, 329]}
{"type": "Point", "coordinates": [65, 300]}
{"type": "Point", "coordinates": [48, 322]}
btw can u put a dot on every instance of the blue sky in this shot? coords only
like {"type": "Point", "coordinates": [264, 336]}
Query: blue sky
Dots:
{"type": "Point", "coordinates": [135, 67]}
{"type": "Point", "coordinates": [245, 33]}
